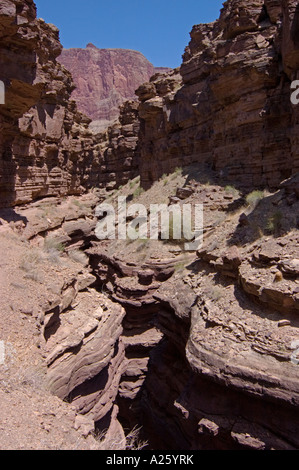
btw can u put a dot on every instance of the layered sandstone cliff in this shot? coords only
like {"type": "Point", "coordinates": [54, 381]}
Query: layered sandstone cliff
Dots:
{"type": "Point", "coordinates": [234, 84]}
{"type": "Point", "coordinates": [46, 147]}
{"type": "Point", "coordinates": [229, 106]}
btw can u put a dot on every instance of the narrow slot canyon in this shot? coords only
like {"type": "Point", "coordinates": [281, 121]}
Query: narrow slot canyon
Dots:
{"type": "Point", "coordinates": [147, 371]}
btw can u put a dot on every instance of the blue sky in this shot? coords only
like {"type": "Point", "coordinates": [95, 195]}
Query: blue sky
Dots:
{"type": "Point", "coordinates": [157, 28]}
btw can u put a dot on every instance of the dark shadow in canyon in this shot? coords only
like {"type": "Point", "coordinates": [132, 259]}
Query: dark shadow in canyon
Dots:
{"type": "Point", "coordinates": [295, 28]}
{"type": "Point", "coordinates": [10, 215]}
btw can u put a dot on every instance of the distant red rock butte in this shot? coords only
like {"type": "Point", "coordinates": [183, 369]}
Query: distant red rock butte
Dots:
{"type": "Point", "coordinates": [105, 78]}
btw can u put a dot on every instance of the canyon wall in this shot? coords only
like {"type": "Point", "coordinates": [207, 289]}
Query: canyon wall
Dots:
{"type": "Point", "coordinates": [46, 146]}
{"type": "Point", "coordinates": [229, 106]}
{"type": "Point", "coordinates": [200, 349]}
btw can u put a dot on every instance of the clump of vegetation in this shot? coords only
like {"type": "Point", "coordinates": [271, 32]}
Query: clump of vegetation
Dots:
{"type": "Point", "coordinates": [179, 267]}
{"type": "Point", "coordinates": [29, 264]}
{"type": "Point", "coordinates": [216, 293]}
{"type": "Point", "coordinates": [274, 223]}
{"type": "Point", "coordinates": [133, 441]}
{"type": "Point", "coordinates": [131, 185]}
{"type": "Point", "coordinates": [130, 442]}
{"type": "Point", "coordinates": [52, 244]}
{"type": "Point", "coordinates": [81, 206]}
{"type": "Point", "coordinates": [78, 257]}
{"type": "Point", "coordinates": [231, 190]}
{"type": "Point", "coordinates": [177, 172]}
{"type": "Point", "coordinates": [257, 230]}
{"type": "Point", "coordinates": [53, 248]}
{"type": "Point", "coordinates": [32, 258]}
{"type": "Point", "coordinates": [138, 192]}
{"type": "Point", "coordinates": [253, 199]}
{"type": "Point", "coordinates": [164, 179]}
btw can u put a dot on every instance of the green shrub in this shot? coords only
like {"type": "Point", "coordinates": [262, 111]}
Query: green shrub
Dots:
{"type": "Point", "coordinates": [51, 244]}
{"type": "Point", "coordinates": [216, 293]}
{"type": "Point", "coordinates": [231, 190]}
{"type": "Point", "coordinates": [274, 222]}
{"type": "Point", "coordinates": [138, 192]}
{"type": "Point", "coordinates": [254, 198]}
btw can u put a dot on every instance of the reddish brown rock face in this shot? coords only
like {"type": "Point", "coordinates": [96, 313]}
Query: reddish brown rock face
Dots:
{"type": "Point", "coordinates": [229, 107]}
{"type": "Point", "coordinates": [44, 140]}
{"type": "Point", "coordinates": [46, 147]}
{"type": "Point", "coordinates": [105, 78]}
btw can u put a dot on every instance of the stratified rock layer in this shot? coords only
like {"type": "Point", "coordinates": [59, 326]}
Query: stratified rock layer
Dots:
{"type": "Point", "coordinates": [45, 147]}
{"type": "Point", "coordinates": [83, 351]}
{"type": "Point", "coordinates": [211, 338]}
{"type": "Point", "coordinates": [229, 106]}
